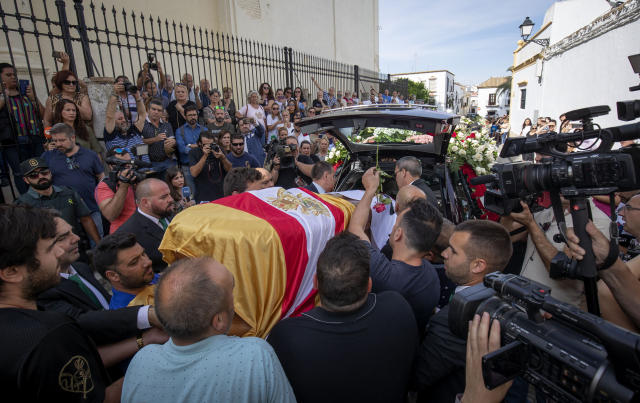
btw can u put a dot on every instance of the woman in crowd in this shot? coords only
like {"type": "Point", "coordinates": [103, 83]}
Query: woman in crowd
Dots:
{"type": "Point", "coordinates": [253, 109]}
{"type": "Point", "coordinates": [305, 149]}
{"type": "Point", "coordinates": [175, 109]}
{"type": "Point", "coordinates": [273, 119]}
{"type": "Point", "coordinates": [526, 127]}
{"type": "Point", "coordinates": [302, 103]}
{"type": "Point", "coordinates": [224, 141]}
{"type": "Point", "coordinates": [175, 180]}
{"type": "Point", "coordinates": [229, 104]}
{"type": "Point", "coordinates": [208, 111]}
{"type": "Point", "coordinates": [292, 107]}
{"type": "Point", "coordinates": [66, 84]}
{"type": "Point", "coordinates": [323, 148]}
{"type": "Point", "coordinates": [286, 123]}
{"type": "Point", "coordinates": [266, 95]}
{"type": "Point", "coordinates": [66, 111]}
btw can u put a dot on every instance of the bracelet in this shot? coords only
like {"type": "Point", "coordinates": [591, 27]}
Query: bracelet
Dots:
{"type": "Point", "coordinates": [139, 341]}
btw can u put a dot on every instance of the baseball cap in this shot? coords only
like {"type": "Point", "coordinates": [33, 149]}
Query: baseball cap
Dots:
{"type": "Point", "coordinates": [29, 165]}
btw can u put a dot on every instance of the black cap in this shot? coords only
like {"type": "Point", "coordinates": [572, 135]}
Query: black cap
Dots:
{"type": "Point", "coordinates": [31, 164]}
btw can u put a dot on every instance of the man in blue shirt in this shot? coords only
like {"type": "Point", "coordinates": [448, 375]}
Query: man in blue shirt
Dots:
{"type": "Point", "coordinates": [187, 139]}
{"type": "Point", "coordinates": [121, 259]}
{"type": "Point", "coordinates": [413, 235]}
{"type": "Point", "coordinates": [327, 96]}
{"type": "Point", "coordinates": [195, 305]}
{"type": "Point", "coordinates": [238, 157]}
{"type": "Point", "coordinates": [75, 167]}
{"type": "Point", "coordinates": [253, 138]}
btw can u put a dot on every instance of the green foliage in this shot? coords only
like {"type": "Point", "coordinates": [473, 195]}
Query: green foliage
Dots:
{"type": "Point", "coordinates": [419, 90]}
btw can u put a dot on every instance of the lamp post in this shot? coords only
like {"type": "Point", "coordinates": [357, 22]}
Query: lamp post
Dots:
{"type": "Point", "coordinates": [525, 31]}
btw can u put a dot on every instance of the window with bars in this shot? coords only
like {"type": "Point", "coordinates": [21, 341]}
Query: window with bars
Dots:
{"type": "Point", "coordinates": [492, 99]}
{"type": "Point", "coordinates": [523, 98]}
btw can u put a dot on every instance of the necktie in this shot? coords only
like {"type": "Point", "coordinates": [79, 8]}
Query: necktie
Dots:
{"type": "Point", "coordinates": [164, 224]}
{"type": "Point", "coordinates": [76, 279]}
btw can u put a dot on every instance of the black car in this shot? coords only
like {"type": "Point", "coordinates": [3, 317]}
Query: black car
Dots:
{"type": "Point", "coordinates": [349, 123]}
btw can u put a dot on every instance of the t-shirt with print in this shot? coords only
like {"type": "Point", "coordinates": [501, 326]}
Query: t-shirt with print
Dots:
{"type": "Point", "coordinates": [47, 357]}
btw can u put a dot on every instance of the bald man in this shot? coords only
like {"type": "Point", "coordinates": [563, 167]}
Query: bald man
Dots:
{"type": "Point", "coordinates": [148, 223]}
{"type": "Point", "coordinates": [406, 195]}
{"type": "Point", "coordinates": [194, 303]}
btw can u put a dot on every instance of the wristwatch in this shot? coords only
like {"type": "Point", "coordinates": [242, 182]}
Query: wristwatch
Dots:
{"type": "Point", "coordinates": [139, 340]}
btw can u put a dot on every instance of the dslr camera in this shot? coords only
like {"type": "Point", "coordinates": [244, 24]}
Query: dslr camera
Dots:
{"type": "Point", "coordinates": [573, 356]}
{"type": "Point", "coordinates": [120, 165]}
{"type": "Point", "coordinates": [285, 152]}
{"type": "Point", "coordinates": [130, 88]}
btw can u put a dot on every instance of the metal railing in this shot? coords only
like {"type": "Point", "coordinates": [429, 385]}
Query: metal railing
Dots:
{"type": "Point", "coordinates": [109, 42]}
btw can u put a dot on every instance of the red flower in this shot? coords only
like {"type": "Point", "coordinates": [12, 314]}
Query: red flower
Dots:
{"type": "Point", "coordinates": [379, 207]}
{"type": "Point", "coordinates": [454, 134]}
{"type": "Point", "coordinates": [337, 165]}
{"type": "Point", "coordinates": [472, 135]}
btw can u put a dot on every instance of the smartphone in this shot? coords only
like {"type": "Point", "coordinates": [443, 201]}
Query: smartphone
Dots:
{"type": "Point", "coordinates": [186, 192]}
{"type": "Point", "coordinates": [56, 54]}
{"type": "Point", "coordinates": [23, 87]}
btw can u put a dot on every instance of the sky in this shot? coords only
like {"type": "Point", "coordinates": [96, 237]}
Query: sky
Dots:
{"type": "Point", "coordinates": [473, 39]}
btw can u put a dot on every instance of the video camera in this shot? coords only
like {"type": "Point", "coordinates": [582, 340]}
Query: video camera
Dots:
{"type": "Point", "coordinates": [572, 357]}
{"type": "Point", "coordinates": [285, 152]}
{"type": "Point", "coordinates": [120, 165]}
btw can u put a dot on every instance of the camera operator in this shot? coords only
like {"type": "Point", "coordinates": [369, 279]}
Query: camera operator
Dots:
{"type": "Point", "coordinates": [272, 147]}
{"type": "Point", "coordinates": [145, 75]}
{"type": "Point", "coordinates": [541, 228]}
{"type": "Point", "coordinates": [621, 281]}
{"type": "Point", "coordinates": [289, 165]}
{"type": "Point", "coordinates": [115, 196]}
{"type": "Point", "coordinates": [208, 166]}
{"type": "Point", "coordinates": [118, 133]}
{"type": "Point", "coordinates": [127, 101]}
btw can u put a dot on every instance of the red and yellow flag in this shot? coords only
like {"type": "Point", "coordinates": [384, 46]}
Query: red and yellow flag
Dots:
{"type": "Point", "coordinates": [269, 239]}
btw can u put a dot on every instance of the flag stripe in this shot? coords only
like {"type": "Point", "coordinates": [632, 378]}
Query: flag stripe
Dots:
{"type": "Point", "coordinates": [292, 237]}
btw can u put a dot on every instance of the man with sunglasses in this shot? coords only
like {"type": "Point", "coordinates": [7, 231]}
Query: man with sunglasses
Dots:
{"type": "Point", "coordinates": [75, 167]}
{"type": "Point", "coordinates": [238, 157]}
{"type": "Point", "coordinates": [21, 132]}
{"type": "Point", "coordinates": [218, 124]}
{"type": "Point", "coordinates": [42, 193]}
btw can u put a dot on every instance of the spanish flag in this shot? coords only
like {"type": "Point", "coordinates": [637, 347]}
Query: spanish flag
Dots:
{"type": "Point", "coordinates": [269, 239]}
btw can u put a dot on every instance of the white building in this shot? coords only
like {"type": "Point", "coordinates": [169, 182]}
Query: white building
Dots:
{"type": "Point", "coordinates": [440, 84]}
{"type": "Point", "coordinates": [459, 91]}
{"type": "Point", "coordinates": [491, 101]}
{"type": "Point", "coordinates": [585, 65]}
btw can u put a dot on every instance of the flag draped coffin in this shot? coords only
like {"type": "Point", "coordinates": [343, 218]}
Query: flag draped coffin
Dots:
{"type": "Point", "coordinates": [269, 239]}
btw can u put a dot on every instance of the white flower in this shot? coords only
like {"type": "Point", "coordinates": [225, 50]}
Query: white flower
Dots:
{"type": "Point", "coordinates": [481, 171]}
{"type": "Point", "coordinates": [478, 157]}
{"type": "Point", "coordinates": [454, 149]}
{"type": "Point", "coordinates": [462, 152]}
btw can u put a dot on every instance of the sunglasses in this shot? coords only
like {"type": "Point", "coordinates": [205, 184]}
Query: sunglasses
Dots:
{"type": "Point", "coordinates": [220, 107]}
{"type": "Point", "coordinates": [72, 164]}
{"type": "Point", "coordinates": [121, 150]}
{"type": "Point", "coordinates": [36, 174]}
{"type": "Point", "coordinates": [69, 82]}
{"type": "Point", "coordinates": [237, 144]}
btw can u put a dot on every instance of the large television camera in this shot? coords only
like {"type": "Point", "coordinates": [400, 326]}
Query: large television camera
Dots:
{"type": "Point", "coordinates": [573, 356]}
{"type": "Point", "coordinates": [134, 165]}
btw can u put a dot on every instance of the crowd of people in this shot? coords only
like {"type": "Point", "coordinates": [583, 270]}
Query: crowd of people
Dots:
{"type": "Point", "coordinates": [93, 312]}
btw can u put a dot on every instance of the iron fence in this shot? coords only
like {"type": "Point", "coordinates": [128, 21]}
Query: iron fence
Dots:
{"type": "Point", "coordinates": [109, 42]}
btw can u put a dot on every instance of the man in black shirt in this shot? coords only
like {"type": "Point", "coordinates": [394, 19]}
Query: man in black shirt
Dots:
{"type": "Point", "coordinates": [46, 356]}
{"type": "Point", "coordinates": [208, 166]}
{"type": "Point", "coordinates": [476, 248]}
{"type": "Point", "coordinates": [158, 134]}
{"type": "Point", "coordinates": [356, 346]}
{"type": "Point", "coordinates": [219, 124]}
{"type": "Point", "coordinates": [413, 235]}
{"type": "Point", "coordinates": [287, 169]}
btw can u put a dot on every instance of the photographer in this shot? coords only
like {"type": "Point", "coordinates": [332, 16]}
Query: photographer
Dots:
{"type": "Point", "coordinates": [145, 75]}
{"type": "Point", "coordinates": [118, 133]}
{"type": "Point", "coordinates": [187, 136]}
{"type": "Point", "coordinates": [289, 165]}
{"type": "Point", "coordinates": [541, 228]}
{"type": "Point", "coordinates": [208, 166]}
{"type": "Point", "coordinates": [115, 193]}
{"type": "Point", "coordinates": [621, 281]}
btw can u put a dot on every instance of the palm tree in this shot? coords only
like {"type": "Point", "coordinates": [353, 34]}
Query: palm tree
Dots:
{"type": "Point", "coordinates": [506, 86]}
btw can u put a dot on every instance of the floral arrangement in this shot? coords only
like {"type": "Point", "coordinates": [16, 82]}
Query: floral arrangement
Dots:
{"type": "Point", "coordinates": [473, 147]}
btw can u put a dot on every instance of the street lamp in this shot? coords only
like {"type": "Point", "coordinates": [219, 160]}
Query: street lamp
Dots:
{"type": "Point", "coordinates": [525, 30]}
